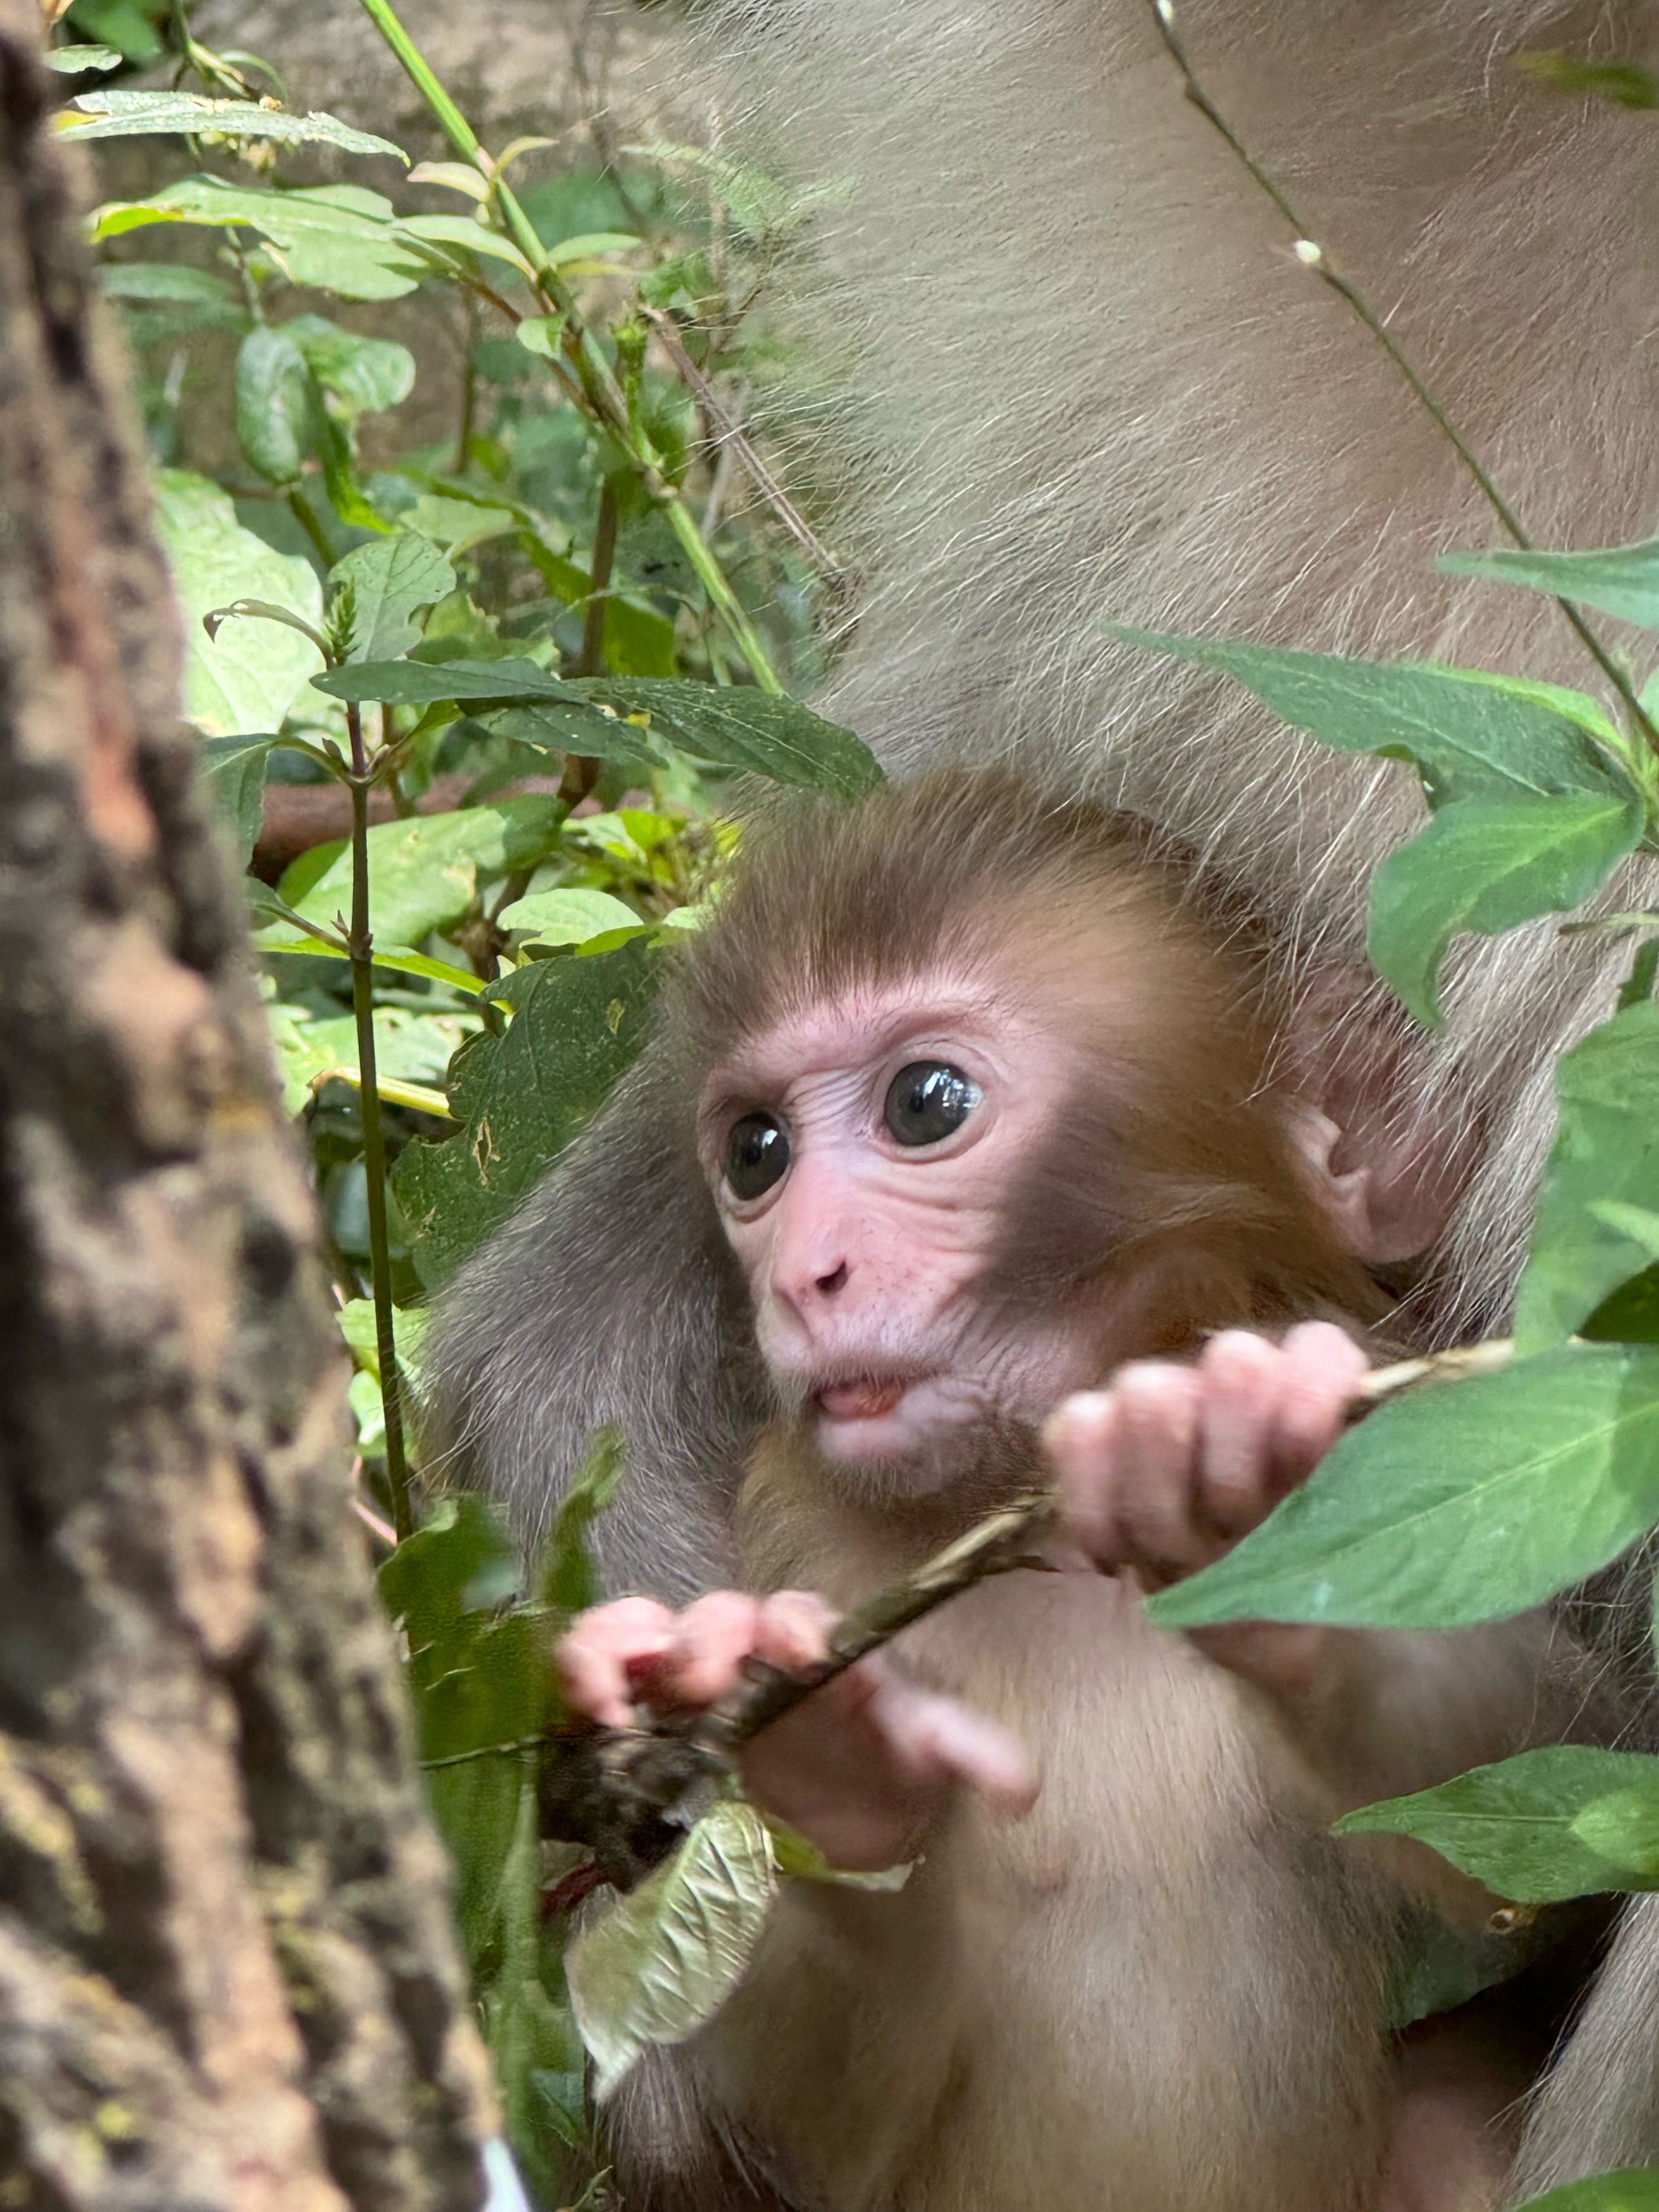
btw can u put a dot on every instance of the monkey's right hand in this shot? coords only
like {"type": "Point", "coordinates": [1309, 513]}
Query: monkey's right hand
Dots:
{"type": "Point", "coordinates": [862, 1768]}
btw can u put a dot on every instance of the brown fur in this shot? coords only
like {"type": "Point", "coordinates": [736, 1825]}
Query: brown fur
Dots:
{"type": "Point", "coordinates": [1163, 1991]}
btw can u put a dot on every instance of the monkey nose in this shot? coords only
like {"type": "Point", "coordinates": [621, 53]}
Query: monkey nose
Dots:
{"type": "Point", "coordinates": [836, 1279]}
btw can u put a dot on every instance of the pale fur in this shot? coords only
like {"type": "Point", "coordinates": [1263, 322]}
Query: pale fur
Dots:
{"type": "Point", "coordinates": [1093, 382]}
{"type": "Point", "coordinates": [1091, 379]}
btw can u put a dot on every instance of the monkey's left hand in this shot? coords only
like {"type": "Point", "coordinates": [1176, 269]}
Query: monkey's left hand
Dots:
{"type": "Point", "coordinates": [1168, 1467]}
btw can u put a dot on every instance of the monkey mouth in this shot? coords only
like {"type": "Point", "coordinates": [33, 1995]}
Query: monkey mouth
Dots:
{"type": "Point", "coordinates": [862, 1398]}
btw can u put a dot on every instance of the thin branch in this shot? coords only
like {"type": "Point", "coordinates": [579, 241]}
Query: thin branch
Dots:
{"type": "Point", "coordinates": [1313, 256]}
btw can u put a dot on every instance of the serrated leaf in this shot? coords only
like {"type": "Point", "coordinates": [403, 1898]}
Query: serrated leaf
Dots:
{"type": "Point", "coordinates": [1485, 866]}
{"type": "Point", "coordinates": [1454, 1505]}
{"type": "Point", "coordinates": [1606, 1153]}
{"type": "Point", "coordinates": [1622, 580]}
{"type": "Point", "coordinates": [274, 404]}
{"type": "Point", "coordinates": [588, 731]}
{"type": "Point", "coordinates": [569, 917]}
{"type": "Point", "coordinates": [115, 113]}
{"type": "Point", "coordinates": [422, 684]}
{"type": "Point", "coordinates": [737, 727]}
{"type": "Point", "coordinates": [666, 1958]}
{"type": "Point", "coordinates": [233, 773]}
{"type": "Point", "coordinates": [1469, 735]}
{"type": "Point", "coordinates": [392, 579]}
{"type": "Point", "coordinates": [340, 237]}
{"type": "Point", "coordinates": [576, 1025]}
{"type": "Point", "coordinates": [242, 682]}
{"type": "Point", "coordinates": [1519, 1825]}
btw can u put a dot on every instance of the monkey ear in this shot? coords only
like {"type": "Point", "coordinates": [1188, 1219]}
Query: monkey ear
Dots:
{"type": "Point", "coordinates": [1387, 1152]}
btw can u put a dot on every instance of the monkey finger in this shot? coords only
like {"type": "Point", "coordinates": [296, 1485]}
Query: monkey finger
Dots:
{"type": "Point", "coordinates": [602, 1656]}
{"type": "Point", "coordinates": [1321, 1369]}
{"type": "Point", "coordinates": [792, 1629]}
{"type": "Point", "coordinates": [933, 1739]}
{"type": "Point", "coordinates": [1079, 1441]}
{"type": "Point", "coordinates": [1156, 1470]}
{"type": "Point", "coordinates": [712, 1638]}
{"type": "Point", "coordinates": [1239, 1378]}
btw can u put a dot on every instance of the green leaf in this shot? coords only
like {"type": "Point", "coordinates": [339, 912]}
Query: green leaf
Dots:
{"type": "Point", "coordinates": [392, 579]}
{"type": "Point", "coordinates": [1524, 1826]}
{"type": "Point", "coordinates": [340, 237]}
{"type": "Point", "coordinates": [791, 1855]}
{"type": "Point", "coordinates": [459, 523]}
{"type": "Point", "coordinates": [365, 375]}
{"type": "Point", "coordinates": [1487, 865]}
{"type": "Point", "coordinates": [1457, 1504]}
{"type": "Point", "coordinates": [1469, 735]}
{"type": "Point", "coordinates": [408, 1046]}
{"type": "Point", "coordinates": [469, 236]}
{"type": "Point", "coordinates": [569, 917]}
{"type": "Point", "coordinates": [666, 1958]}
{"type": "Point", "coordinates": [119, 114]}
{"type": "Point", "coordinates": [1635, 2188]}
{"type": "Point", "coordinates": [69, 61]}
{"type": "Point", "coordinates": [421, 683]}
{"type": "Point", "coordinates": [424, 871]}
{"type": "Point", "coordinates": [568, 1578]}
{"type": "Point", "coordinates": [737, 728]}
{"type": "Point", "coordinates": [274, 404]}
{"type": "Point", "coordinates": [576, 729]}
{"type": "Point", "coordinates": [234, 772]}
{"type": "Point", "coordinates": [396, 960]}
{"type": "Point", "coordinates": [172, 281]}
{"type": "Point", "coordinates": [1606, 1153]}
{"type": "Point", "coordinates": [576, 1025]}
{"type": "Point", "coordinates": [355, 1319]}
{"type": "Point", "coordinates": [242, 682]}
{"type": "Point", "coordinates": [1622, 580]}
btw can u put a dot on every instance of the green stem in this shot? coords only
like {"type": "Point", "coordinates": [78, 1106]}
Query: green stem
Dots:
{"type": "Point", "coordinates": [360, 944]}
{"type": "Point", "coordinates": [601, 393]}
{"type": "Point", "coordinates": [306, 515]}
{"type": "Point", "coordinates": [592, 659]}
{"type": "Point", "coordinates": [1313, 257]}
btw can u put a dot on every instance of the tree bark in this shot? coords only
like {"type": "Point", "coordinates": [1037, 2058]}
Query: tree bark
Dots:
{"type": "Point", "coordinates": [228, 1978]}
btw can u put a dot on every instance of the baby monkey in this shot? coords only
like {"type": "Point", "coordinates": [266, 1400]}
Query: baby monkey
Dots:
{"type": "Point", "coordinates": [991, 1112]}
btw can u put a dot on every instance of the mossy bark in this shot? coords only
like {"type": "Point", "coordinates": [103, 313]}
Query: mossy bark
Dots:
{"type": "Point", "coordinates": [228, 1978]}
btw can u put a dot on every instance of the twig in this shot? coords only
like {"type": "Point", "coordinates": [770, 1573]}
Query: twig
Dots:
{"type": "Point", "coordinates": [360, 943]}
{"type": "Point", "coordinates": [1313, 256]}
{"type": "Point", "coordinates": [734, 440]}
{"type": "Point", "coordinates": [1002, 1542]}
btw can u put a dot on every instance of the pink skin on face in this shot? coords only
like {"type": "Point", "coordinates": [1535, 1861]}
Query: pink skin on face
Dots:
{"type": "Point", "coordinates": [863, 1260]}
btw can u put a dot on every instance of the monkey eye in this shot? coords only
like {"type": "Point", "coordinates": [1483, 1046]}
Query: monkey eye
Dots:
{"type": "Point", "coordinates": [927, 1100]}
{"type": "Point", "coordinates": [756, 1154]}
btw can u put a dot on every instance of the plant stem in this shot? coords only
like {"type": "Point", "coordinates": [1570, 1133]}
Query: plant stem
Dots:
{"type": "Point", "coordinates": [1314, 257]}
{"type": "Point", "coordinates": [306, 515]}
{"type": "Point", "coordinates": [592, 662]}
{"type": "Point", "coordinates": [601, 393]}
{"type": "Point", "coordinates": [360, 942]}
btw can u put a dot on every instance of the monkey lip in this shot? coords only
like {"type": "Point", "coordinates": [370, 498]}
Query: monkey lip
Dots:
{"type": "Point", "coordinates": [866, 1398]}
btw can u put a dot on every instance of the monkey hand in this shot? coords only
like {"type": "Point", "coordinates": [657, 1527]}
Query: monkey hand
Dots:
{"type": "Point", "coordinates": [862, 1767]}
{"type": "Point", "coordinates": [1168, 1468]}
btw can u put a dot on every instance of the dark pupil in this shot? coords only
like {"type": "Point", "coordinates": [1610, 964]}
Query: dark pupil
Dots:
{"type": "Point", "coordinates": [756, 1154]}
{"type": "Point", "coordinates": [927, 1101]}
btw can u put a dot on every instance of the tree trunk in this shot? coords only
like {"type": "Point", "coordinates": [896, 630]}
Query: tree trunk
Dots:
{"type": "Point", "coordinates": [226, 1974]}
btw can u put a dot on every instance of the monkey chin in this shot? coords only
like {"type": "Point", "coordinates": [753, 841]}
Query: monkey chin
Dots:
{"type": "Point", "coordinates": [939, 1431]}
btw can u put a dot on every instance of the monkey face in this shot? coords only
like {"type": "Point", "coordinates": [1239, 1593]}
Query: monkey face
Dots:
{"type": "Point", "coordinates": [862, 1153]}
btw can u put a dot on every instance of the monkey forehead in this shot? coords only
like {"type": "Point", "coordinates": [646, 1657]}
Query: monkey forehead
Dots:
{"type": "Point", "coordinates": [817, 1034]}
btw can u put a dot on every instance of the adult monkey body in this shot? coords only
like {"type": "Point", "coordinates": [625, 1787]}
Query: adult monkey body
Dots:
{"type": "Point", "coordinates": [1102, 385]}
